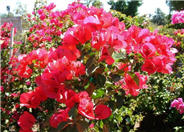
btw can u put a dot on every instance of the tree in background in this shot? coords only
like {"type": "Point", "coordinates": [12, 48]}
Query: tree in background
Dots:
{"type": "Point", "coordinates": [175, 5]}
{"type": "Point", "coordinates": [128, 7]}
{"type": "Point", "coordinates": [159, 17]}
{"type": "Point", "coordinates": [20, 10]}
{"type": "Point", "coordinates": [96, 3]}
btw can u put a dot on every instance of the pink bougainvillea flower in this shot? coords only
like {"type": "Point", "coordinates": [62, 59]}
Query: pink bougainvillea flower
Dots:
{"type": "Point", "coordinates": [148, 50]}
{"type": "Point", "coordinates": [178, 17]}
{"type": "Point", "coordinates": [178, 104]}
{"type": "Point", "coordinates": [93, 22]}
{"type": "Point", "coordinates": [28, 83]}
{"type": "Point", "coordinates": [91, 125]}
{"type": "Point", "coordinates": [85, 107]}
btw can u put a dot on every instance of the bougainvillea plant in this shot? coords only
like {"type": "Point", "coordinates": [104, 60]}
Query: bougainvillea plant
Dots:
{"type": "Point", "coordinates": [74, 61]}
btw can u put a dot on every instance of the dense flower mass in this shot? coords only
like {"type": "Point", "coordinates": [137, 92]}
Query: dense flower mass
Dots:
{"type": "Point", "coordinates": [178, 17]}
{"type": "Point", "coordinates": [178, 104]}
{"type": "Point", "coordinates": [5, 36]}
{"type": "Point", "coordinates": [69, 49]}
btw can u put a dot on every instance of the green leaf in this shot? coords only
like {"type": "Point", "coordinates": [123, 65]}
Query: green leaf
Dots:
{"type": "Point", "coordinates": [73, 112]}
{"type": "Point", "coordinates": [98, 94]}
{"type": "Point", "coordinates": [100, 80]}
{"type": "Point", "coordinates": [101, 124]}
{"type": "Point", "coordinates": [115, 77]}
{"type": "Point", "coordinates": [134, 77]}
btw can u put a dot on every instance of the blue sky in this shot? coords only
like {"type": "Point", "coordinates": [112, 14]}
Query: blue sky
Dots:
{"type": "Point", "coordinates": [148, 6]}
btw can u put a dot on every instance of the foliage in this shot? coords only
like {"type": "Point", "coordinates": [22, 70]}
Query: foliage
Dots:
{"type": "Point", "coordinates": [159, 18]}
{"type": "Point", "coordinates": [95, 3]}
{"type": "Point", "coordinates": [175, 5]}
{"type": "Point", "coordinates": [20, 10]}
{"type": "Point", "coordinates": [129, 8]}
{"type": "Point", "coordinates": [140, 21]}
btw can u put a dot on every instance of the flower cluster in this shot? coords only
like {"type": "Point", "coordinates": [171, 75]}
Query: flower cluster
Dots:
{"type": "Point", "coordinates": [21, 65]}
{"type": "Point", "coordinates": [178, 17]}
{"type": "Point", "coordinates": [5, 34]}
{"type": "Point", "coordinates": [48, 29]}
{"type": "Point", "coordinates": [154, 48]}
{"type": "Point", "coordinates": [178, 104]}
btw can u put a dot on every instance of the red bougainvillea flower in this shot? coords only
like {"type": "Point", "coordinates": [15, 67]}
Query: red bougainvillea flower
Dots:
{"type": "Point", "coordinates": [5, 34]}
{"type": "Point", "coordinates": [56, 73]}
{"type": "Point", "coordinates": [38, 58]}
{"type": "Point", "coordinates": [1, 89]}
{"type": "Point", "coordinates": [61, 51]}
{"type": "Point", "coordinates": [26, 121]}
{"type": "Point", "coordinates": [22, 130]}
{"type": "Point", "coordinates": [67, 96]}
{"type": "Point", "coordinates": [57, 118]}
{"type": "Point", "coordinates": [106, 55]}
{"type": "Point", "coordinates": [123, 66]}
{"type": "Point", "coordinates": [131, 86]}
{"type": "Point", "coordinates": [48, 84]}
{"type": "Point", "coordinates": [102, 112]}
{"type": "Point", "coordinates": [30, 99]}
{"type": "Point", "coordinates": [149, 67]}
{"type": "Point", "coordinates": [41, 95]}
{"type": "Point", "coordinates": [148, 50]}
{"type": "Point", "coordinates": [33, 98]}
